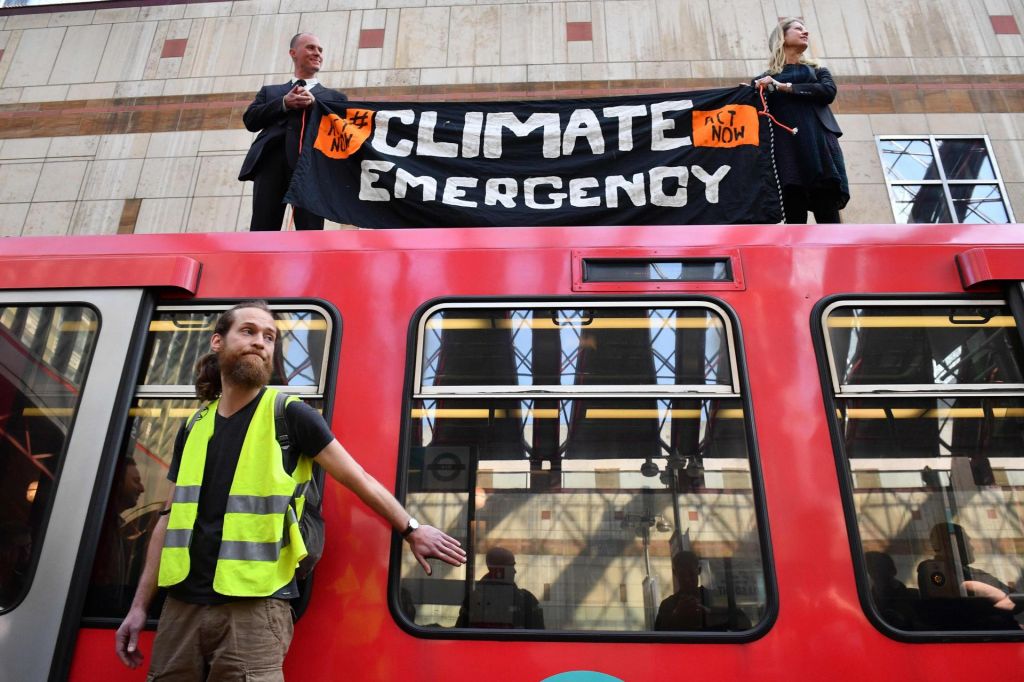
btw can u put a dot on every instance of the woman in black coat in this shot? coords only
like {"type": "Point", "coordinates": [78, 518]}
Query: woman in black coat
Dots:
{"type": "Point", "coordinates": [810, 163]}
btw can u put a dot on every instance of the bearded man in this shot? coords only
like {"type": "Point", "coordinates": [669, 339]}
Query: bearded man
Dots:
{"type": "Point", "coordinates": [227, 614]}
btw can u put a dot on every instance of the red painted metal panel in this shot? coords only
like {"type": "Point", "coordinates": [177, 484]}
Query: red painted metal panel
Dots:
{"type": "Point", "coordinates": [97, 272]}
{"type": "Point", "coordinates": [377, 280]}
{"type": "Point", "coordinates": [990, 265]}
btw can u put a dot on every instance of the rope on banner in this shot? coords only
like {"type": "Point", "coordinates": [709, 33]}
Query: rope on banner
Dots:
{"type": "Point", "coordinates": [302, 135]}
{"type": "Point", "coordinates": [771, 136]}
{"type": "Point", "coordinates": [764, 112]}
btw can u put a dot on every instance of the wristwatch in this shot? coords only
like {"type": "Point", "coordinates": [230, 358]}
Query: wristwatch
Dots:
{"type": "Point", "coordinates": [413, 525]}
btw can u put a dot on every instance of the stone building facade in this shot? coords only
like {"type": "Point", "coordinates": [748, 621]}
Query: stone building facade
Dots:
{"type": "Point", "coordinates": [125, 117]}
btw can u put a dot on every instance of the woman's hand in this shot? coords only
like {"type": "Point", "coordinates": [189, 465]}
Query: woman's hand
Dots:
{"type": "Point", "coordinates": [772, 85]}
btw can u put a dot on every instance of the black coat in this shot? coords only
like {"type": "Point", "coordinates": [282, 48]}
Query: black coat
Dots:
{"type": "Point", "coordinates": [819, 95]}
{"type": "Point", "coordinates": [266, 114]}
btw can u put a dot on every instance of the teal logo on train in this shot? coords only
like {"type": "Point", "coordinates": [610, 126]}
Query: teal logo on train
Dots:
{"type": "Point", "coordinates": [581, 676]}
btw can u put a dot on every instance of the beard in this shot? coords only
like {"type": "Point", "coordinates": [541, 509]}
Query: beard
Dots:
{"type": "Point", "coordinates": [245, 369]}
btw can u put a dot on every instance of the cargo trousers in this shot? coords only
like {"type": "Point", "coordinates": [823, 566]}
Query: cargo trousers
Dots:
{"type": "Point", "coordinates": [244, 640]}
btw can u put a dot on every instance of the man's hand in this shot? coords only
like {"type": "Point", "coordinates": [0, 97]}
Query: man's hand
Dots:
{"type": "Point", "coordinates": [298, 98]}
{"type": "Point", "coordinates": [127, 638]}
{"type": "Point", "coordinates": [999, 599]}
{"type": "Point", "coordinates": [428, 542]}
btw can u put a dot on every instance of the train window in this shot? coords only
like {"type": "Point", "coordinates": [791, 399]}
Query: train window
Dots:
{"type": "Point", "coordinates": [660, 270]}
{"type": "Point", "coordinates": [179, 337]}
{"type": "Point", "coordinates": [595, 462]}
{"type": "Point", "coordinates": [509, 351]}
{"type": "Point", "coordinates": [164, 400]}
{"type": "Point", "coordinates": [916, 348]}
{"type": "Point", "coordinates": [45, 353]}
{"type": "Point", "coordinates": [929, 413]}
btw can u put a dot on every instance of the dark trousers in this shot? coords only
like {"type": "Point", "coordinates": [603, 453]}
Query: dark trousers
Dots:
{"type": "Point", "coordinates": [798, 203]}
{"type": "Point", "coordinates": [273, 176]}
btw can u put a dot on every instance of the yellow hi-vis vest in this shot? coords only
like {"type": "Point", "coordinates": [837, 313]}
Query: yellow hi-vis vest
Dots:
{"type": "Point", "coordinates": [261, 544]}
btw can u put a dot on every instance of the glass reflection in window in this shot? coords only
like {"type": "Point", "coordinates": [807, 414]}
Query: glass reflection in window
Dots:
{"type": "Point", "coordinates": [615, 512]}
{"type": "Point", "coordinates": [920, 204]}
{"type": "Point", "coordinates": [937, 481]}
{"type": "Point", "coordinates": [979, 204]}
{"type": "Point", "coordinates": [937, 486]}
{"type": "Point", "coordinates": [965, 159]}
{"type": "Point", "coordinates": [575, 347]}
{"type": "Point", "coordinates": [942, 180]}
{"type": "Point", "coordinates": [177, 339]}
{"type": "Point", "coordinates": [139, 491]}
{"type": "Point", "coordinates": [908, 160]}
{"type": "Point", "coordinates": [45, 353]}
{"type": "Point", "coordinates": [636, 270]}
{"type": "Point", "coordinates": [944, 345]}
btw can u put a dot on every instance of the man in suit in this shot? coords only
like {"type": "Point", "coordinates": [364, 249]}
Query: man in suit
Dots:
{"type": "Point", "coordinates": [280, 114]}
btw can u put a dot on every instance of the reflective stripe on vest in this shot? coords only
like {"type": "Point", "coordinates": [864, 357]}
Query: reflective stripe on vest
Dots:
{"type": "Point", "coordinates": [260, 544]}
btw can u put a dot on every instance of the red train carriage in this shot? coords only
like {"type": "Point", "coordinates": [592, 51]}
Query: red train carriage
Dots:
{"type": "Point", "coordinates": [678, 453]}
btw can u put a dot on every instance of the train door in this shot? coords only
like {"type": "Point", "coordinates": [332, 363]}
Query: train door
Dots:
{"type": "Point", "coordinates": [63, 354]}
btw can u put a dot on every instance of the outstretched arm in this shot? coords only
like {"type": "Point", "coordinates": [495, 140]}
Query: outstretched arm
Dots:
{"type": "Point", "coordinates": [127, 638]}
{"type": "Point", "coordinates": [426, 542]}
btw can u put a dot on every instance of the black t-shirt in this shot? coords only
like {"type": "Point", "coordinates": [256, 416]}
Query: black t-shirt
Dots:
{"type": "Point", "coordinates": [308, 433]}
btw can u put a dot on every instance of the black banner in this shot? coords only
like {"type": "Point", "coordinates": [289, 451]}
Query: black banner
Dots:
{"type": "Point", "coordinates": [693, 158]}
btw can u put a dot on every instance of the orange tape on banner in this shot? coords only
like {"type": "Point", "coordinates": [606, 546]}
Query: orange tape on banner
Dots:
{"type": "Point", "coordinates": [729, 126]}
{"type": "Point", "coordinates": [340, 138]}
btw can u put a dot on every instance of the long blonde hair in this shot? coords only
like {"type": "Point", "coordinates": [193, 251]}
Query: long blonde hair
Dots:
{"type": "Point", "coordinates": [777, 50]}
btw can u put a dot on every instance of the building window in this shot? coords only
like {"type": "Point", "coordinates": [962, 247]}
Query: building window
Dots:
{"type": "Point", "coordinates": [950, 179]}
{"type": "Point", "coordinates": [567, 445]}
{"type": "Point", "coordinates": [927, 403]}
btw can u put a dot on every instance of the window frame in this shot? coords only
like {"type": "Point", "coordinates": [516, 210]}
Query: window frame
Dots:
{"type": "Point", "coordinates": [732, 390]}
{"type": "Point", "coordinates": [188, 390]}
{"type": "Point", "coordinates": [135, 391]}
{"type": "Point", "coordinates": [741, 381]}
{"type": "Point", "coordinates": [942, 180]}
{"type": "Point", "coordinates": [844, 471]}
{"type": "Point", "coordinates": [909, 390]}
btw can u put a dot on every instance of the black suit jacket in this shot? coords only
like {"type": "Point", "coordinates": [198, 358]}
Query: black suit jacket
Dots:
{"type": "Point", "coordinates": [819, 95]}
{"type": "Point", "coordinates": [267, 115]}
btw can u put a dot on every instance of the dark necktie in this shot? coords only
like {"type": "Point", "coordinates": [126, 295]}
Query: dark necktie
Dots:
{"type": "Point", "coordinates": [302, 83]}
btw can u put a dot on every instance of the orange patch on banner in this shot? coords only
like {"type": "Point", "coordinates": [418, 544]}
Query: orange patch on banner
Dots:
{"type": "Point", "coordinates": [339, 138]}
{"type": "Point", "coordinates": [729, 126]}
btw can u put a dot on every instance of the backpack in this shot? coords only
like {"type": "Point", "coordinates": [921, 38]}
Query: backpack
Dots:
{"type": "Point", "coordinates": [311, 523]}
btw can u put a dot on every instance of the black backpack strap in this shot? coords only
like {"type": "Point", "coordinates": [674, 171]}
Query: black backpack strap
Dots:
{"type": "Point", "coordinates": [281, 425]}
{"type": "Point", "coordinates": [194, 418]}
{"type": "Point", "coordinates": [283, 439]}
